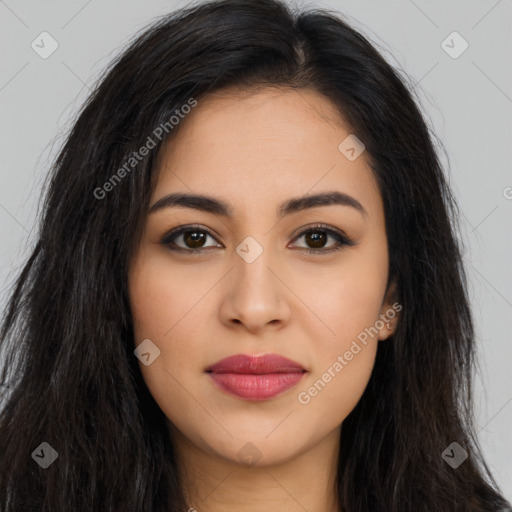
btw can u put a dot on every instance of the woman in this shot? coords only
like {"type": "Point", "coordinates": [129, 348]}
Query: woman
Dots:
{"type": "Point", "coordinates": [247, 291]}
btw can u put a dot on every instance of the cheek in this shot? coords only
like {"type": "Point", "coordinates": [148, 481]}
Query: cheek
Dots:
{"type": "Point", "coordinates": [331, 394]}
{"type": "Point", "coordinates": [349, 301]}
{"type": "Point", "coordinates": [344, 359]}
{"type": "Point", "coordinates": [348, 298]}
{"type": "Point", "coordinates": [164, 297]}
{"type": "Point", "coordinates": [169, 307]}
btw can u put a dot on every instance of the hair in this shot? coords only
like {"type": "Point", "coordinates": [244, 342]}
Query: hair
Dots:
{"type": "Point", "coordinates": [67, 332]}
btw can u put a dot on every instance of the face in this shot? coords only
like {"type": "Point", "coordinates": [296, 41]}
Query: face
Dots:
{"type": "Point", "coordinates": [261, 275]}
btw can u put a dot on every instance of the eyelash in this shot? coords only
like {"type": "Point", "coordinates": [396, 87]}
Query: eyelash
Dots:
{"type": "Point", "coordinates": [342, 239]}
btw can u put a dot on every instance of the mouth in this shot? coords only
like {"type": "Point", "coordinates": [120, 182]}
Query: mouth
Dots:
{"type": "Point", "coordinates": [256, 378]}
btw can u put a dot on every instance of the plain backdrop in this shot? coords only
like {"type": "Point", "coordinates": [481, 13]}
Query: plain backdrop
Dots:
{"type": "Point", "coordinates": [466, 98]}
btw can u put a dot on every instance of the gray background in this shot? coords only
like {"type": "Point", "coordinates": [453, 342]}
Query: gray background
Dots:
{"type": "Point", "coordinates": [467, 100]}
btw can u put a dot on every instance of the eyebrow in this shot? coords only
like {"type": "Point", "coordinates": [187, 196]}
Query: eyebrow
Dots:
{"type": "Point", "coordinates": [219, 207]}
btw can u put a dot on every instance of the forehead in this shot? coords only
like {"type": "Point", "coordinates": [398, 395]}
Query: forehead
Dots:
{"type": "Point", "coordinates": [265, 146]}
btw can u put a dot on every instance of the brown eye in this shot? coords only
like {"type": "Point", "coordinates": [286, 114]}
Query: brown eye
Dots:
{"type": "Point", "coordinates": [194, 239]}
{"type": "Point", "coordinates": [189, 239]}
{"type": "Point", "coordinates": [316, 239]}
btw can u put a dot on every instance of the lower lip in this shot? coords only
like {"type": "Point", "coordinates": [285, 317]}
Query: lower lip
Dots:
{"type": "Point", "coordinates": [256, 387]}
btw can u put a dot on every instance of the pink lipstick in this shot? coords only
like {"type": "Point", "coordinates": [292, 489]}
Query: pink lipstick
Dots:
{"type": "Point", "coordinates": [256, 377]}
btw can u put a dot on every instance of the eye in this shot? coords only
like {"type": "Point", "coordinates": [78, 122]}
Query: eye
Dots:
{"type": "Point", "coordinates": [316, 237]}
{"type": "Point", "coordinates": [192, 239]}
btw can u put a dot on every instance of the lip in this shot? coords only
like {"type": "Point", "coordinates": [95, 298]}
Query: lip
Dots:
{"type": "Point", "coordinates": [256, 378]}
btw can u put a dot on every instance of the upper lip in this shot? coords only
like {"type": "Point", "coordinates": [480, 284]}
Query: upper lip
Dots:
{"type": "Point", "coordinates": [251, 364]}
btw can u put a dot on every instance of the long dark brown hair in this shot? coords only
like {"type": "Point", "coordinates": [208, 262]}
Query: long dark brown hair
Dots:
{"type": "Point", "coordinates": [69, 376]}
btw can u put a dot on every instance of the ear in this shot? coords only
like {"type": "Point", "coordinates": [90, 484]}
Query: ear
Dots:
{"type": "Point", "coordinates": [389, 313]}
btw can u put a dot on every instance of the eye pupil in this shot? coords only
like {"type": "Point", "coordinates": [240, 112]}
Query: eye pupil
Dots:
{"type": "Point", "coordinates": [194, 237]}
{"type": "Point", "coordinates": [316, 238]}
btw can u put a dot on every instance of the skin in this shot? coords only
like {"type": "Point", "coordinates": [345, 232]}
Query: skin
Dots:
{"type": "Point", "coordinates": [256, 151]}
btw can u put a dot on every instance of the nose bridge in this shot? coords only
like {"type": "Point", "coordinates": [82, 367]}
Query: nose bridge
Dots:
{"type": "Point", "coordinates": [256, 296]}
{"type": "Point", "coordinates": [252, 262]}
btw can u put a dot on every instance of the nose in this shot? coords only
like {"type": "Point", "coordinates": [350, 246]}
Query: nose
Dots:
{"type": "Point", "coordinates": [255, 295]}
